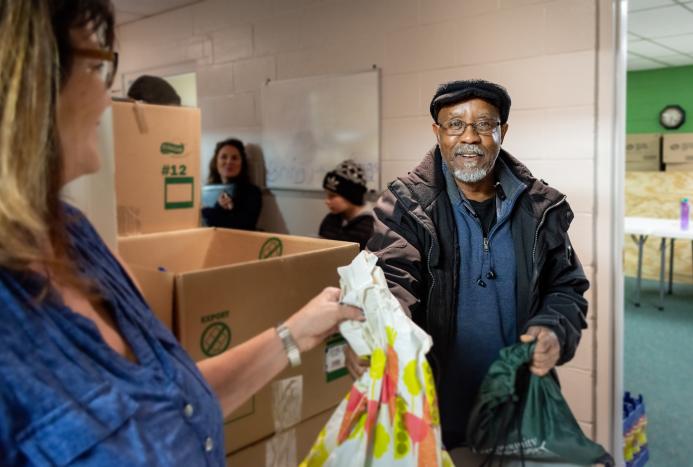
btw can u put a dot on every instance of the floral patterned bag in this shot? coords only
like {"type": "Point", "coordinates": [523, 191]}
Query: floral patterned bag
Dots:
{"type": "Point", "coordinates": [390, 416]}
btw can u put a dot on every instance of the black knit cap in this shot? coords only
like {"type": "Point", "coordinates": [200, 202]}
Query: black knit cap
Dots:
{"type": "Point", "coordinates": [348, 180]}
{"type": "Point", "coordinates": [454, 92]}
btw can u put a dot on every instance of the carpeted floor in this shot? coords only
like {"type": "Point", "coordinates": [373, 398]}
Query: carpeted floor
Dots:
{"type": "Point", "coordinates": [658, 358]}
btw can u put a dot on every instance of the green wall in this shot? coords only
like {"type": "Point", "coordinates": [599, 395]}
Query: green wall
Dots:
{"type": "Point", "coordinates": [649, 91]}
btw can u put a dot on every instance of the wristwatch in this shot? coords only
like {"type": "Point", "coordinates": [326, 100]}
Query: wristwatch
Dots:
{"type": "Point", "coordinates": [290, 346]}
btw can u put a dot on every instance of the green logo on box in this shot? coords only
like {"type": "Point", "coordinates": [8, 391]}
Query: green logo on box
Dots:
{"type": "Point", "coordinates": [179, 192]}
{"type": "Point", "coordinates": [272, 247]}
{"type": "Point", "coordinates": [215, 339]}
{"type": "Point", "coordinates": [172, 148]}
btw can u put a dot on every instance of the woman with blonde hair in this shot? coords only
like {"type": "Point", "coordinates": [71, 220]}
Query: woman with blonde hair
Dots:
{"type": "Point", "coordinates": [89, 376]}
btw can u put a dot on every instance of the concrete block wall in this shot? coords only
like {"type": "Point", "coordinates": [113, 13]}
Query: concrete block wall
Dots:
{"type": "Point", "coordinates": [544, 52]}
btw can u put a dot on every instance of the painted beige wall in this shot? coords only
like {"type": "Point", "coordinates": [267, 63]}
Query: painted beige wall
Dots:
{"type": "Point", "coordinates": [546, 53]}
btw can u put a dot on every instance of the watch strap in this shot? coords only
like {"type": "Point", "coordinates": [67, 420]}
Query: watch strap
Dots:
{"type": "Point", "coordinates": [290, 346]}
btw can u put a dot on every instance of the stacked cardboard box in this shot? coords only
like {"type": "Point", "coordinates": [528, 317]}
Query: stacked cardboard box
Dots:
{"type": "Point", "coordinates": [678, 151]}
{"type": "Point", "coordinates": [217, 288]}
{"type": "Point", "coordinates": [286, 448]}
{"type": "Point", "coordinates": [157, 167]}
{"type": "Point", "coordinates": [642, 152]}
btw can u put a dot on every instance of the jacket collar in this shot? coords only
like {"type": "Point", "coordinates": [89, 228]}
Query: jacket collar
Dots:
{"type": "Point", "coordinates": [426, 183]}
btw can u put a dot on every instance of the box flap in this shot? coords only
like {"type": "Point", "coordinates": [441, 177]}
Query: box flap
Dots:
{"type": "Point", "coordinates": [178, 251]}
{"type": "Point", "coordinates": [230, 246]}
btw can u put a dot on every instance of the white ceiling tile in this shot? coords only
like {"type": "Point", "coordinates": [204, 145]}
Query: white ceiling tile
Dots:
{"type": "Point", "coordinates": [638, 63]}
{"type": "Point", "coordinates": [683, 43]}
{"type": "Point", "coordinates": [635, 5]}
{"type": "Point", "coordinates": [648, 49]}
{"type": "Point", "coordinates": [677, 60]}
{"type": "Point", "coordinates": [660, 22]}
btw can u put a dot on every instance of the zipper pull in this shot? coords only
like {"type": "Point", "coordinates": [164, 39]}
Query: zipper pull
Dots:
{"type": "Point", "coordinates": [486, 244]}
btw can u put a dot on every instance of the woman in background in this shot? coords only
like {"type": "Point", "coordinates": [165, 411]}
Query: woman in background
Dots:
{"type": "Point", "coordinates": [88, 375]}
{"type": "Point", "coordinates": [345, 191]}
{"type": "Point", "coordinates": [239, 207]}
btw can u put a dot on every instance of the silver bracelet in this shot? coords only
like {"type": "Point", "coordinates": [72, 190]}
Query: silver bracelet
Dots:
{"type": "Point", "coordinates": [290, 346]}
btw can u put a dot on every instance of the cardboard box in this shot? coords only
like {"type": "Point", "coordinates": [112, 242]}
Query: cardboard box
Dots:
{"type": "Point", "coordinates": [157, 167]}
{"type": "Point", "coordinates": [287, 448]}
{"type": "Point", "coordinates": [680, 167]}
{"type": "Point", "coordinates": [230, 285]}
{"type": "Point", "coordinates": [649, 166]}
{"type": "Point", "coordinates": [643, 147]}
{"type": "Point", "coordinates": [677, 148]}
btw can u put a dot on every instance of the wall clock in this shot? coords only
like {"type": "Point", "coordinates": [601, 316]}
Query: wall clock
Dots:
{"type": "Point", "coordinates": [672, 117]}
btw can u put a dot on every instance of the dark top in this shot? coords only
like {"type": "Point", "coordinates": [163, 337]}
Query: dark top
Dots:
{"type": "Point", "coordinates": [486, 319]}
{"type": "Point", "coordinates": [246, 210]}
{"type": "Point", "coordinates": [67, 398]}
{"type": "Point", "coordinates": [358, 230]}
{"type": "Point", "coordinates": [486, 212]}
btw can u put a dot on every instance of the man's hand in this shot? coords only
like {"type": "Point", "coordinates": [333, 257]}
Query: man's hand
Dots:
{"type": "Point", "coordinates": [356, 365]}
{"type": "Point", "coordinates": [546, 352]}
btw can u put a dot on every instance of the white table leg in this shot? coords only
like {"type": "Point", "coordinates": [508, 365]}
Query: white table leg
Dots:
{"type": "Point", "coordinates": [662, 264]}
{"type": "Point", "coordinates": [671, 263]}
{"type": "Point", "coordinates": [640, 241]}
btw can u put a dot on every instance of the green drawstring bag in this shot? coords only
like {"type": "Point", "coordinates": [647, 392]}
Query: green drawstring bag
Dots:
{"type": "Point", "coordinates": [520, 416]}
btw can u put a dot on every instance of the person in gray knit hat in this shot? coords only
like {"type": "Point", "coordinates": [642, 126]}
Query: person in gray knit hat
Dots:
{"type": "Point", "coordinates": [476, 250]}
{"type": "Point", "coordinates": [345, 191]}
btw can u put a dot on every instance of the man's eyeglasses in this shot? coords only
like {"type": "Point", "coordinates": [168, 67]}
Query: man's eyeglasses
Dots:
{"type": "Point", "coordinates": [456, 127]}
{"type": "Point", "coordinates": [109, 65]}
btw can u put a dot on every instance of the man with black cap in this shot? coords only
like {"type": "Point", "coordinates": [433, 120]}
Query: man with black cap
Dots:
{"type": "Point", "coordinates": [477, 251]}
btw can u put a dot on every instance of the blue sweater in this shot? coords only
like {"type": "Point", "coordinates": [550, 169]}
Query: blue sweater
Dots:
{"type": "Point", "coordinates": [486, 302]}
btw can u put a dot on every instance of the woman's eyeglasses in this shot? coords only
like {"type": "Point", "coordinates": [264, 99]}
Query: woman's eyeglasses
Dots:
{"type": "Point", "coordinates": [109, 65]}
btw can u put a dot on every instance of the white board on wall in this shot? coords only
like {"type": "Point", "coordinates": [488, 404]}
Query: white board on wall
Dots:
{"type": "Point", "coordinates": [309, 125]}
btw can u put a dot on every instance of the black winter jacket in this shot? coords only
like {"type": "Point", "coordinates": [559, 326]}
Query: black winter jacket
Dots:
{"type": "Point", "coordinates": [415, 238]}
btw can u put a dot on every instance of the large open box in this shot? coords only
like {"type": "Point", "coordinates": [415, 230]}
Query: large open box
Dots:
{"type": "Point", "coordinates": [157, 166]}
{"type": "Point", "coordinates": [677, 148]}
{"type": "Point", "coordinates": [228, 286]}
{"type": "Point", "coordinates": [287, 448]}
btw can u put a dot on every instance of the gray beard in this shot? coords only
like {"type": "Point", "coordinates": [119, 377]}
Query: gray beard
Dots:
{"type": "Point", "coordinates": [470, 176]}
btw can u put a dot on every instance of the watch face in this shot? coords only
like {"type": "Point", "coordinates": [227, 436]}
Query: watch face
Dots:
{"type": "Point", "coordinates": [672, 117]}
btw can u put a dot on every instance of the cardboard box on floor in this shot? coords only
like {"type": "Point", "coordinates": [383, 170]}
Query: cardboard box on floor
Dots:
{"type": "Point", "coordinates": [287, 448]}
{"type": "Point", "coordinates": [677, 148]}
{"type": "Point", "coordinates": [157, 167]}
{"type": "Point", "coordinates": [228, 286]}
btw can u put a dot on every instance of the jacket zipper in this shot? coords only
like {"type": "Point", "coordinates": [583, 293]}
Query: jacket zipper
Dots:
{"type": "Point", "coordinates": [534, 246]}
{"type": "Point", "coordinates": [430, 250]}
{"type": "Point", "coordinates": [541, 223]}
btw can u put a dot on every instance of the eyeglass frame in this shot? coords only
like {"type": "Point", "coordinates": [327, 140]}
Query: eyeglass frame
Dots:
{"type": "Point", "coordinates": [105, 55]}
{"type": "Point", "coordinates": [474, 126]}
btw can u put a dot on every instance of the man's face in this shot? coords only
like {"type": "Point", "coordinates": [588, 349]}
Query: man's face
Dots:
{"type": "Point", "coordinates": [472, 154]}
